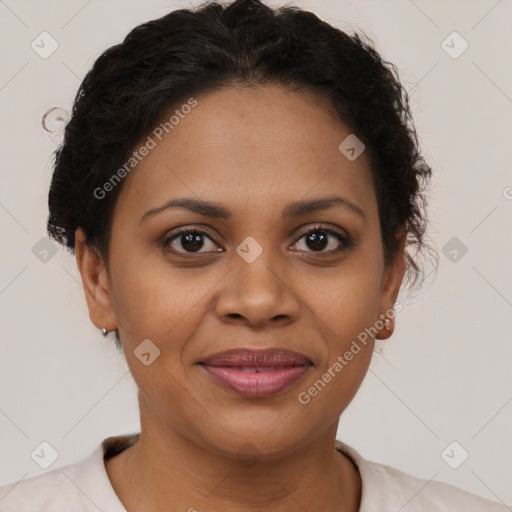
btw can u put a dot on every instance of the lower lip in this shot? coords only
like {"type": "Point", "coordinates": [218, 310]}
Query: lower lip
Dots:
{"type": "Point", "coordinates": [254, 384]}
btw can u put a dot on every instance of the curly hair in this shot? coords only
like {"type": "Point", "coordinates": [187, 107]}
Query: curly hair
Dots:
{"type": "Point", "coordinates": [185, 53]}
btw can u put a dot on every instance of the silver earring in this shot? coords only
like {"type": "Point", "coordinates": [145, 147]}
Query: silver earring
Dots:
{"type": "Point", "coordinates": [387, 324]}
{"type": "Point", "coordinates": [104, 331]}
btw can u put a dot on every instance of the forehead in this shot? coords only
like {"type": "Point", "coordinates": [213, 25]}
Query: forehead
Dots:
{"type": "Point", "coordinates": [258, 146]}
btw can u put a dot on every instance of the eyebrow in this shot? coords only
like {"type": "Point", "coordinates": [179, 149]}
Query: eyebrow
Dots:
{"type": "Point", "coordinates": [217, 211]}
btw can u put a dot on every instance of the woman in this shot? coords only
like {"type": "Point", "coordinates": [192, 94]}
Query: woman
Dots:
{"type": "Point", "coordinates": [241, 188]}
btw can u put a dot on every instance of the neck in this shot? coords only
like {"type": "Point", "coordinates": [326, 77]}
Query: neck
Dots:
{"type": "Point", "coordinates": [165, 467]}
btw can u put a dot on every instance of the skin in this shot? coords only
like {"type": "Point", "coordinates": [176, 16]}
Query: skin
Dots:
{"type": "Point", "coordinates": [254, 151]}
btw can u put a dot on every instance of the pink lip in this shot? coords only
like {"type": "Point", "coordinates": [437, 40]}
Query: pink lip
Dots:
{"type": "Point", "coordinates": [267, 372]}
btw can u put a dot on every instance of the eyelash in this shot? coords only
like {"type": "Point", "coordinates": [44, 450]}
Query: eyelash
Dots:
{"type": "Point", "coordinates": [345, 241]}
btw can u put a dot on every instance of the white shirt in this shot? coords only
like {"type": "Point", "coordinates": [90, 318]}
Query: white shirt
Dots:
{"type": "Point", "coordinates": [85, 487]}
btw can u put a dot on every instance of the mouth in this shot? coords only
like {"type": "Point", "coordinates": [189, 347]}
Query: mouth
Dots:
{"type": "Point", "coordinates": [256, 373]}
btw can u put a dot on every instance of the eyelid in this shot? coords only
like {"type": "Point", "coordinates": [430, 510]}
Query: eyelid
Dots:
{"type": "Point", "coordinates": [189, 229]}
{"type": "Point", "coordinates": [322, 227]}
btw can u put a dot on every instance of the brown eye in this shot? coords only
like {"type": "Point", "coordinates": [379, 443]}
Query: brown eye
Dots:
{"type": "Point", "coordinates": [318, 239]}
{"type": "Point", "coordinates": [190, 241]}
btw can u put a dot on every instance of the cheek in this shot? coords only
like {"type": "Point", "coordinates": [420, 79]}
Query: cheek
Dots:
{"type": "Point", "coordinates": [166, 310]}
{"type": "Point", "coordinates": [343, 314]}
{"type": "Point", "coordinates": [346, 302]}
{"type": "Point", "coordinates": [155, 301]}
{"type": "Point", "coordinates": [346, 325]}
{"type": "Point", "coordinates": [346, 308]}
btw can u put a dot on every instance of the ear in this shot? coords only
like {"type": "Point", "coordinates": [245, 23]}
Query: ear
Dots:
{"type": "Point", "coordinates": [96, 285]}
{"type": "Point", "coordinates": [391, 282]}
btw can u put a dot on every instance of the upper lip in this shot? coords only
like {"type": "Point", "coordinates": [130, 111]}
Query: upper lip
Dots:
{"type": "Point", "coordinates": [271, 357]}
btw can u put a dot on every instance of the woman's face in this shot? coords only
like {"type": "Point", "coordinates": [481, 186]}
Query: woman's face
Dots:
{"type": "Point", "coordinates": [253, 278]}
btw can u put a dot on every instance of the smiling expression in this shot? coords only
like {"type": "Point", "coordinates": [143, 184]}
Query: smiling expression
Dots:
{"type": "Point", "coordinates": [246, 228]}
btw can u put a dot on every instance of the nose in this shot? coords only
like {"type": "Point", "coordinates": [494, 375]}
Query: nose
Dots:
{"type": "Point", "coordinates": [257, 294]}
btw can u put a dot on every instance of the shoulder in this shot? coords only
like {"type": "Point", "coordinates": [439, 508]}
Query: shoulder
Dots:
{"type": "Point", "coordinates": [80, 487]}
{"type": "Point", "coordinates": [415, 494]}
{"type": "Point", "coordinates": [53, 490]}
{"type": "Point", "coordinates": [396, 490]}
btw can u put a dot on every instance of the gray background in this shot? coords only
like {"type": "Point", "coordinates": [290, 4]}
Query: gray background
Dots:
{"type": "Point", "coordinates": [445, 374]}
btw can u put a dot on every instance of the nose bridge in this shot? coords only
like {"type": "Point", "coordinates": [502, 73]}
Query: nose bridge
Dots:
{"type": "Point", "coordinates": [256, 288]}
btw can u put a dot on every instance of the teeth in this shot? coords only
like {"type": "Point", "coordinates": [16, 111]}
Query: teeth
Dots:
{"type": "Point", "coordinates": [259, 369]}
